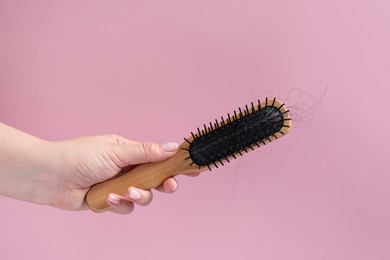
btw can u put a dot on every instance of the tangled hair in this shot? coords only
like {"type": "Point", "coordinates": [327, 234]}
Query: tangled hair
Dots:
{"type": "Point", "coordinates": [304, 107]}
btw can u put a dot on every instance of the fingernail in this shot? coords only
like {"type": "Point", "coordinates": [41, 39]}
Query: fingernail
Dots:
{"type": "Point", "coordinates": [134, 195]}
{"type": "Point", "coordinates": [174, 186]}
{"type": "Point", "coordinates": [170, 147]}
{"type": "Point", "coordinates": [114, 199]}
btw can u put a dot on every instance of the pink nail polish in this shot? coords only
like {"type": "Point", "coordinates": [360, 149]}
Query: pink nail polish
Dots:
{"type": "Point", "coordinates": [114, 199]}
{"type": "Point", "coordinates": [134, 195]}
{"type": "Point", "coordinates": [170, 147]}
{"type": "Point", "coordinates": [174, 186]}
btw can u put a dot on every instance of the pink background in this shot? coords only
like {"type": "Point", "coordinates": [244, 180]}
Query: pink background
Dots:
{"type": "Point", "coordinates": [155, 70]}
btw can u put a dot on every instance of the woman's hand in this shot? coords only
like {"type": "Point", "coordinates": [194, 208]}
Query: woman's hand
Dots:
{"type": "Point", "coordinates": [60, 173]}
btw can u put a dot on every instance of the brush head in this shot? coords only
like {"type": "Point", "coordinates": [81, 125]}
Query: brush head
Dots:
{"type": "Point", "coordinates": [245, 130]}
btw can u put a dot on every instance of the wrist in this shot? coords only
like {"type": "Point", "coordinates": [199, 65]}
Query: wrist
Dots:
{"type": "Point", "coordinates": [46, 174]}
{"type": "Point", "coordinates": [25, 166]}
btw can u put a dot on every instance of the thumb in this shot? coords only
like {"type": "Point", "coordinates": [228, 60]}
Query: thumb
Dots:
{"type": "Point", "coordinates": [136, 153]}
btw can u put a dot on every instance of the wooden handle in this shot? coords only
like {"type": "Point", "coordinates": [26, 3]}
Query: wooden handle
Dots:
{"type": "Point", "coordinates": [145, 176]}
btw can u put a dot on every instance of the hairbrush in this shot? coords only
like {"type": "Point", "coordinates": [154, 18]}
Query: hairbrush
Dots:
{"type": "Point", "coordinates": [211, 146]}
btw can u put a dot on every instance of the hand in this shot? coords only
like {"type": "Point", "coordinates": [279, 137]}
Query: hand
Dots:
{"type": "Point", "coordinates": [86, 161]}
{"type": "Point", "coordinates": [60, 173]}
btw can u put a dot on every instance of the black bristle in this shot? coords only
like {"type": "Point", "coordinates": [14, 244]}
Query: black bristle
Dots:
{"type": "Point", "coordinates": [185, 149]}
{"type": "Point", "coordinates": [187, 140]}
{"type": "Point", "coordinates": [239, 109]}
{"type": "Point", "coordinates": [266, 102]}
{"type": "Point", "coordinates": [273, 102]}
{"type": "Point", "coordinates": [281, 106]}
{"type": "Point", "coordinates": [216, 124]}
{"type": "Point", "coordinates": [235, 115]}
{"type": "Point", "coordinates": [193, 136]}
{"type": "Point", "coordinates": [205, 128]}
{"type": "Point", "coordinates": [265, 137]}
{"type": "Point", "coordinates": [259, 104]}
{"type": "Point", "coordinates": [208, 166]}
{"type": "Point", "coordinates": [229, 119]}
{"type": "Point", "coordinates": [272, 118]}
{"type": "Point", "coordinates": [253, 107]}
{"type": "Point", "coordinates": [247, 110]}
{"type": "Point", "coordinates": [199, 132]}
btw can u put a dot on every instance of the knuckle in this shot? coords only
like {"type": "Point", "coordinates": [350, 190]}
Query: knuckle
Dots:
{"type": "Point", "coordinates": [149, 149]}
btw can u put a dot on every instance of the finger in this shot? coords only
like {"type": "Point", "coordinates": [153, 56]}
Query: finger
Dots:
{"type": "Point", "coordinates": [168, 186]}
{"type": "Point", "coordinates": [137, 153]}
{"type": "Point", "coordinates": [140, 197]}
{"type": "Point", "coordinates": [119, 204]}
